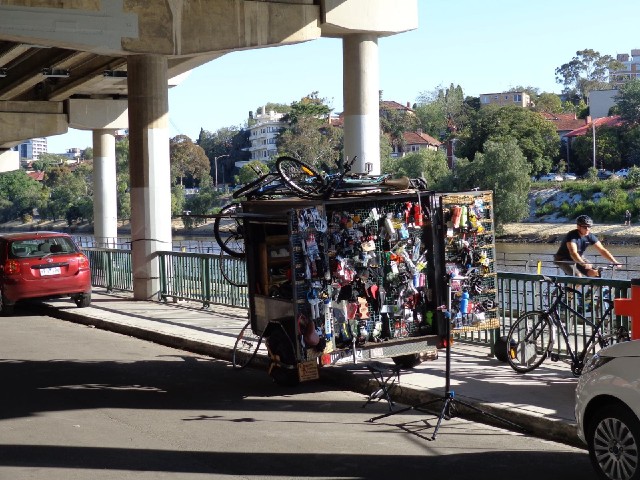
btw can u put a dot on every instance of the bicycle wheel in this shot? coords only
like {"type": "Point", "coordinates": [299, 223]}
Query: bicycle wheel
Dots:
{"type": "Point", "coordinates": [232, 227]}
{"type": "Point", "coordinates": [529, 341]}
{"type": "Point", "coordinates": [233, 270]}
{"type": "Point", "coordinates": [283, 368]}
{"type": "Point", "coordinates": [300, 177]}
{"type": "Point", "coordinates": [246, 347]}
{"type": "Point", "coordinates": [252, 189]}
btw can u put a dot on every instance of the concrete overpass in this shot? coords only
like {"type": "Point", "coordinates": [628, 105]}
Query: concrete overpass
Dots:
{"type": "Point", "coordinates": [103, 65]}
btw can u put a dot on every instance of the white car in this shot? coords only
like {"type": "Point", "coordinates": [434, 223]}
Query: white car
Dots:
{"type": "Point", "coordinates": [608, 410]}
{"type": "Point", "coordinates": [550, 177]}
{"type": "Point", "coordinates": [569, 176]}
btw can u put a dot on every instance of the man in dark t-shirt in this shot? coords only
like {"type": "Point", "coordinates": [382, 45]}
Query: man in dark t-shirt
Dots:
{"type": "Point", "coordinates": [569, 256]}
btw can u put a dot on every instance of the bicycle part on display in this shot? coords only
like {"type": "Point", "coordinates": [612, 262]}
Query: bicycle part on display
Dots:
{"type": "Point", "coordinates": [228, 230]}
{"type": "Point", "coordinates": [301, 178]}
{"type": "Point", "coordinates": [532, 338]}
{"type": "Point", "coordinates": [246, 346]}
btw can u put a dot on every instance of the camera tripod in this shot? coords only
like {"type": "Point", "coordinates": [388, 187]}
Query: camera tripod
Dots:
{"type": "Point", "coordinates": [449, 402]}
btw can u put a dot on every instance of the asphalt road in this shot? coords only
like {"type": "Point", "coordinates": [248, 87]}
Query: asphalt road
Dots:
{"type": "Point", "coordinates": [80, 403]}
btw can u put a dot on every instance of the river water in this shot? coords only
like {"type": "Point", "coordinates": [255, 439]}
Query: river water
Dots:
{"type": "Point", "coordinates": [510, 257]}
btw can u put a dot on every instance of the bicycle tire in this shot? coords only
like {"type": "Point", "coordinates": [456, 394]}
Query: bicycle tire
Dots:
{"type": "Point", "coordinates": [235, 230]}
{"type": "Point", "coordinates": [246, 347]}
{"type": "Point", "coordinates": [250, 189]}
{"type": "Point", "coordinates": [529, 341]}
{"type": "Point", "coordinates": [301, 177]}
{"type": "Point", "coordinates": [283, 368]}
{"type": "Point", "coordinates": [229, 267]}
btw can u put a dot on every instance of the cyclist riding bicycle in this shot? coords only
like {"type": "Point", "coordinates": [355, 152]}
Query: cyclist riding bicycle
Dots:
{"type": "Point", "coordinates": [569, 257]}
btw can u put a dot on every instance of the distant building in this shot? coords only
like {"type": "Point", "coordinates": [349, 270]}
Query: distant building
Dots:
{"type": "Point", "coordinates": [414, 142]}
{"type": "Point", "coordinates": [520, 99]}
{"type": "Point", "coordinates": [263, 135]}
{"type": "Point", "coordinates": [631, 70]}
{"type": "Point", "coordinates": [31, 149]}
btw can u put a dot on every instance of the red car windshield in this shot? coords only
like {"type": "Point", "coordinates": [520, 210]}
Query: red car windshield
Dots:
{"type": "Point", "coordinates": [39, 247]}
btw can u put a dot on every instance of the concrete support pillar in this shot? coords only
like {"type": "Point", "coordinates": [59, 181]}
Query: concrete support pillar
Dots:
{"type": "Point", "coordinates": [361, 89]}
{"type": "Point", "coordinates": [148, 170]}
{"type": "Point", "coordinates": [105, 202]}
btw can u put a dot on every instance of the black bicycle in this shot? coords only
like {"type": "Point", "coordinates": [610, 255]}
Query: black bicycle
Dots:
{"type": "Point", "coordinates": [303, 179]}
{"type": "Point", "coordinates": [273, 184]}
{"type": "Point", "coordinates": [532, 337]}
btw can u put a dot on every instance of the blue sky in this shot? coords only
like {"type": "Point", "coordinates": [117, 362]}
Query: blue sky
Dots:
{"type": "Point", "coordinates": [484, 47]}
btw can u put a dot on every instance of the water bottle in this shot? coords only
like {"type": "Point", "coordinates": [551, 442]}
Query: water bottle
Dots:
{"type": "Point", "coordinates": [464, 302]}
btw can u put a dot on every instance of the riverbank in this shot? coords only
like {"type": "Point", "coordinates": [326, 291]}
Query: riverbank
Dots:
{"type": "Point", "coordinates": [611, 234]}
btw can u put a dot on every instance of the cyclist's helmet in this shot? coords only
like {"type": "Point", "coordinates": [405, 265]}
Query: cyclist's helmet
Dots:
{"type": "Point", "coordinates": [584, 221]}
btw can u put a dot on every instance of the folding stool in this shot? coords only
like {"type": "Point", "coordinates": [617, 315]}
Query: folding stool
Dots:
{"type": "Point", "coordinates": [386, 376]}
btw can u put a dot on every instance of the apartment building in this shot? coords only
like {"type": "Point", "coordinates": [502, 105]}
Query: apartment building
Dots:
{"type": "Point", "coordinates": [521, 99]}
{"type": "Point", "coordinates": [31, 149]}
{"type": "Point", "coordinates": [631, 70]}
{"type": "Point", "coordinates": [262, 135]}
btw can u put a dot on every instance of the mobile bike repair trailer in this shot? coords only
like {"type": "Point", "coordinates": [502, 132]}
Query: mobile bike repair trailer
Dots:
{"type": "Point", "coordinates": [364, 277]}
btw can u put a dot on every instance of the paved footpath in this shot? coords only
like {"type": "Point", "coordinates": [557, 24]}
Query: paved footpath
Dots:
{"type": "Point", "coordinates": [541, 402]}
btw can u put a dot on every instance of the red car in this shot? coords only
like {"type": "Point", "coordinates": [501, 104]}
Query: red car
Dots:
{"type": "Point", "coordinates": [42, 265]}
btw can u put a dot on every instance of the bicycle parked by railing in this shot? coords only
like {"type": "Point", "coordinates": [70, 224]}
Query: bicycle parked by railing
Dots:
{"type": "Point", "coordinates": [532, 337]}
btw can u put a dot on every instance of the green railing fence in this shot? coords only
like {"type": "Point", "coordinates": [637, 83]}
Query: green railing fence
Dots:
{"type": "Point", "coordinates": [197, 277]}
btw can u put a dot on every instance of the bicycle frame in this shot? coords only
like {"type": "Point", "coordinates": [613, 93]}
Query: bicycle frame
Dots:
{"type": "Point", "coordinates": [560, 305]}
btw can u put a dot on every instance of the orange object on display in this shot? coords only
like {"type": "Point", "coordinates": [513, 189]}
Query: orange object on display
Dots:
{"type": "Point", "coordinates": [630, 307]}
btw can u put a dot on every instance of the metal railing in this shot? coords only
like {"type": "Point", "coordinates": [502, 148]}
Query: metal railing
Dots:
{"type": "Point", "coordinates": [197, 277]}
{"type": "Point", "coordinates": [183, 276]}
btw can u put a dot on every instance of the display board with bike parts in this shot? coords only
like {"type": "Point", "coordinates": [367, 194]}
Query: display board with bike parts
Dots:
{"type": "Point", "coordinates": [469, 257]}
{"type": "Point", "coordinates": [355, 278]}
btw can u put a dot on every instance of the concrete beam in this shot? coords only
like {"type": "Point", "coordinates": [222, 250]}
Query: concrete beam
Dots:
{"type": "Point", "coordinates": [97, 114]}
{"type": "Point", "coordinates": [23, 120]}
{"type": "Point", "coordinates": [162, 27]}
{"type": "Point", "coordinates": [380, 17]}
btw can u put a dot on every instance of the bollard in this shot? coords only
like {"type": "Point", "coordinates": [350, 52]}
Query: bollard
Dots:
{"type": "Point", "coordinates": [630, 307]}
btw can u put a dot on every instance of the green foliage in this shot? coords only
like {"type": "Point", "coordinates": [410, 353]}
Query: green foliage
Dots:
{"type": "Point", "coordinates": [549, 103]}
{"type": "Point", "coordinates": [428, 163]}
{"type": "Point", "coordinates": [628, 102]}
{"type": "Point", "coordinates": [504, 169]}
{"type": "Point", "coordinates": [19, 195]}
{"type": "Point", "coordinates": [536, 137]}
{"type": "Point", "coordinates": [587, 71]}
{"type": "Point", "coordinates": [188, 161]}
{"type": "Point", "coordinates": [177, 200]}
{"type": "Point", "coordinates": [309, 106]}
{"type": "Point", "coordinates": [312, 140]}
{"type": "Point", "coordinates": [203, 203]}
{"type": "Point", "coordinates": [248, 173]}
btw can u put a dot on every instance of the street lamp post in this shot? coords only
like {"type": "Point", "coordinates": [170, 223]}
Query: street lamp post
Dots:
{"type": "Point", "coordinates": [215, 162]}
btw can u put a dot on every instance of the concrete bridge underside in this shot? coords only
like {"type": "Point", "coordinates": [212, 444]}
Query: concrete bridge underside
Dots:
{"type": "Point", "coordinates": [155, 41]}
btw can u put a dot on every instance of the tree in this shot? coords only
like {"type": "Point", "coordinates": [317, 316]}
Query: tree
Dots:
{"type": "Point", "coordinates": [628, 102]}
{"type": "Point", "coordinates": [443, 112]}
{"type": "Point", "coordinates": [587, 71]}
{"type": "Point", "coordinates": [228, 145]}
{"type": "Point", "coordinates": [504, 169]}
{"type": "Point", "coordinates": [313, 141]}
{"type": "Point", "coordinates": [47, 161]}
{"type": "Point", "coordinates": [19, 195]}
{"type": "Point", "coordinates": [122, 178]}
{"type": "Point", "coordinates": [87, 153]}
{"type": "Point", "coordinates": [248, 173]}
{"type": "Point", "coordinates": [188, 160]}
{"type": "Point", "coordinates": [536, 137]}
{"type": "Point", "coordinates": [548, 103]}
{"type": "Point", "coordinates": [309, 106]}
{"type": "Point", "coordinates": [428, 163]}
